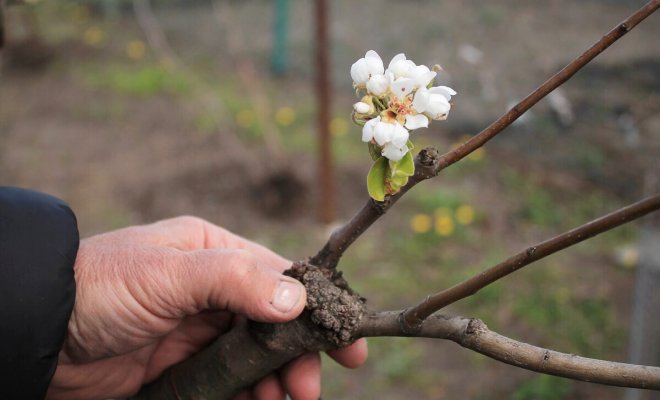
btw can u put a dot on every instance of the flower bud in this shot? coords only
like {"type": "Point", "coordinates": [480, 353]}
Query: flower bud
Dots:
{"type": "Point", "coordinates": [361, 108]}
{"type": "Point", "coordinates": [378, 85]}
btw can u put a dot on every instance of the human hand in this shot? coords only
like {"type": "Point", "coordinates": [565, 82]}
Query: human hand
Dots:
{"type": "Point", "coordinates": [150, 296]}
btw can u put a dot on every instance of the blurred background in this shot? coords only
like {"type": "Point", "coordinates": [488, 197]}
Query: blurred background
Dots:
{"type": "Point", "coordinates": [133, 111]}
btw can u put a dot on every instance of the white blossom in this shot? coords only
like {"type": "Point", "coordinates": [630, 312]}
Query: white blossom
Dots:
{"type": "Point", "coordinates": [397, 146]}
{"type": "Point", "coordinates": [366, 67]}
{"type": "Point", "coordinates": [392, 137]}
{"type": "Point", "coordinates": [433, 102]}
{"type": "Point", "coordinates": [401, 97]}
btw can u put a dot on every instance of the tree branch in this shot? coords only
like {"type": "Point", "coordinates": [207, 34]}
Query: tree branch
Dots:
{"type": "Point", "coordinates": [473, 334]}
{"type": "Point", "coordinates": [339, 241]}
{"type": "Point", "coordinates": [548, 86]}
{"type": "Point", "coordinates": [413, 317]}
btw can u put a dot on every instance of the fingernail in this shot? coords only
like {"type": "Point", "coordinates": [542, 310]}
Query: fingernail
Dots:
{"type": "Point", "coordinates": [286, 296]}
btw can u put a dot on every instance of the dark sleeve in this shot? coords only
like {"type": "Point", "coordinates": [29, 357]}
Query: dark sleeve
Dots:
{"type": "Point", "coordinates": [38, 246]}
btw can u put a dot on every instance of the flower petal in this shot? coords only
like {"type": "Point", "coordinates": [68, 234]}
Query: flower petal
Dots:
{"type": "Point", "coordinates": [416, 121]}
{"type": "Point", "coordinates": [395, 59]}
{"type": "Point", "coordinates": [374, 63]}
{"type": "Point", "coordinates": [400, 67]}
{"type": "Point", "coordinates": [383, 132]}
{"type": "Point", "coordinates": [402, 87]}
{"type": "Point", "coordinates": [360, 72]}
{"type": "Point", "coordinates": [399, 136]}
{"type": "Point", "coordinates": [422, 75]}
{"type": "Point", "coordinates": [438, 107]}
{"type": "Point", "coordinates": [445, 91]}
{"type": "Point", "coordinates": [368, 129]}
{"type": "Point", "coordinates": [394, 153]}
{"type": "Point", "coordinates": [378, 85]}
{"type": "Point", "coordinates": [421, 100]}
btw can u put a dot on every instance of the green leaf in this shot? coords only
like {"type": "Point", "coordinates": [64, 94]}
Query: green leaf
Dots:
{"type": "Point", "coordinates": [410, 145]}
{"type": "Point", "coordinates": [405, 167]}
{"type": "Point", "coordinates": [395, 183]}
{"type": "Point", "coordinates": [376, 179]}
{"type": "Point", "coordinates": [358, 122]}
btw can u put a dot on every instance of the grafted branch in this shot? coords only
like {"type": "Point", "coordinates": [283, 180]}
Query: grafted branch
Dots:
{"type": "Point", "coordinates": [412, 317]}
{"type": "Point", "coordinates": [473, 334]}
{"type": "Point", "coordinates": [329, 256]}
{"type": "Point", "coordinates": [222, 369]}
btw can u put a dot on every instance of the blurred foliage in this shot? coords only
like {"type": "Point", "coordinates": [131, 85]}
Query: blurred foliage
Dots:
{"type": "Point", "coordinates": [543, 387]}
{"type": "Point", "coordinates": [140, 80]}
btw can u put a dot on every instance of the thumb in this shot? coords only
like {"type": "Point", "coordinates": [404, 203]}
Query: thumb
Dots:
{"type": "Point", "coordinates": [236, 281]}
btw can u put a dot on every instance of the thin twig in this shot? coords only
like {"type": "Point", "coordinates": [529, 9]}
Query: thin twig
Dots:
{"type": "Point", "coordinates": [473, 334]}
{"type": "Point", "coordinates": [548, 86]}
{"type": "Point", "coordinates": [412, 318]}
{"type": "Point", "coordinates": [154, 33]}
{"type": "Point", "coordinates": [340, 240]}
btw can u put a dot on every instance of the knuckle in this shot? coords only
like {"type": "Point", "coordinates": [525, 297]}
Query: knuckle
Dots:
{"type": "Point", "coordinates": [188, 221]}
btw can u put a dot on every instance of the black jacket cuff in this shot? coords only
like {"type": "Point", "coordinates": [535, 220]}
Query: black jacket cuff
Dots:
{"type": "Point", "coordinates": [38, 246]}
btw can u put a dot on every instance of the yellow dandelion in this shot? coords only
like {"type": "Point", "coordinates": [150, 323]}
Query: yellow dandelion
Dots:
{"type": "Point", "coordinates": [285, 116]}
{"type": "Point", "coordinates": [444, 225]}
{"type": "Point", "coordinates": [477, 155]}
{"type": "Point", "coordinates": [338, 126]}
{"type": "Point", "coordinates": [135, 49]}
{"type": "Point", "coordinates": [420, 223]}
{"type": "Point", "coordinates": [93, 36]}
{"type": "Point", "coordinates": [628, 256]}
{"type": "Point", "coordinates": [246, 118]}
{"type": "Point", "coordinates": [465, 214]}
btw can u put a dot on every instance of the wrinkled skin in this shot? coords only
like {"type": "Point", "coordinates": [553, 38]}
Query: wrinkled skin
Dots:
{"type": "Point", "coordinates": [150, 296]}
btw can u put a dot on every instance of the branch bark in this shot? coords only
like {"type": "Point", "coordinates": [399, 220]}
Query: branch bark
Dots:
{"type": "Point", "coordinates": [473, 334]}
{"type": "Point", "coordinates": [250, 351]}
{"type": "Point", "coordinates": [413, 317]}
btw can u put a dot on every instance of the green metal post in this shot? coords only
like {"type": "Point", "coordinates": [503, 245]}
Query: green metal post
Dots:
{"type": "Point", "coordinates": [281, 30]}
